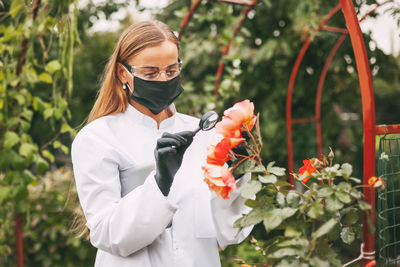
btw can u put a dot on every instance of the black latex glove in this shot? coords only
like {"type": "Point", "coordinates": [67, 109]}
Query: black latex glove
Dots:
{"type": "Point", "coordinates": [169, 154]}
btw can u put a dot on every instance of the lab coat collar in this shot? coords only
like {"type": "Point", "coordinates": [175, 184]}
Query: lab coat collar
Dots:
{"type": "Point", "coordinates": [142, 119]}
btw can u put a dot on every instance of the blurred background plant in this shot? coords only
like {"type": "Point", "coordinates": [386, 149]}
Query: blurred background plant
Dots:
{"type": "Point", "coordinates": [39, 112]}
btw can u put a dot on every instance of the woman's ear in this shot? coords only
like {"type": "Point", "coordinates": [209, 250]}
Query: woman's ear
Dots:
{"type": "Point", "coordinates": [122, 73]}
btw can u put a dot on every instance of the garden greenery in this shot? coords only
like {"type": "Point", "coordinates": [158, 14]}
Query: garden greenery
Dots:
{"type": "Point", "coordinates": [36, 58]}
{"type": "Point", "coordinates": [302, 229]}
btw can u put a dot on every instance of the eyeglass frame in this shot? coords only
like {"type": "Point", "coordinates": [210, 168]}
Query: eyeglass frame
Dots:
{"type": "Point", "coordinates": [132, 69]}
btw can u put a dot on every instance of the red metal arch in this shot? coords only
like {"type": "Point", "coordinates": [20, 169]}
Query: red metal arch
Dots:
{"type": "Point", "coordinates": [368, 106]}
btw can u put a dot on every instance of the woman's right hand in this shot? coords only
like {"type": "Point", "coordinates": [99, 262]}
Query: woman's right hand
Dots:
{"type": "Point", "coordinates": [169, 154]}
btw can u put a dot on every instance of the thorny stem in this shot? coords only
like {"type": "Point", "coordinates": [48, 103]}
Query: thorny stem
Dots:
{"type": "Point", "coordinates": [255, 152]}
{"type": "Point", "coordinates": [252, 138]}
{"type": "Point", "coordinates": [313, 245]}
{"type": "Point", "coordinates": [240, 161]}
{"type": "Point", "coordinates": [361, 185]}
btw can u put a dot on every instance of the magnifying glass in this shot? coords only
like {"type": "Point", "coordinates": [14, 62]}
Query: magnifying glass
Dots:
{"type": "Point", "coordinates": [207, 121]}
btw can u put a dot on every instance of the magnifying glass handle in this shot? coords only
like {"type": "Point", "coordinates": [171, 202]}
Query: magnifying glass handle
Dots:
{"type": "Point", "coordinates": [197, 130]}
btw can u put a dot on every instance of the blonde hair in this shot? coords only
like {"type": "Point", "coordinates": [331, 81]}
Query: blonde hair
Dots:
{"type": "Point", "coordinates": [111, 98]}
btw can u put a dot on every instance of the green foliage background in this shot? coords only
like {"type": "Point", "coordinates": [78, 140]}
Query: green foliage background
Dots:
{"type": "Point", "coordinates": [44, 112]}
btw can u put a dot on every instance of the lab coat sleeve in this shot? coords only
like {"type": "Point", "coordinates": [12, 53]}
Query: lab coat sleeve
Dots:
{"type": "Point", "coordinates": [226, 212]}
{"type": "Point", "coordinates": [117, 225]}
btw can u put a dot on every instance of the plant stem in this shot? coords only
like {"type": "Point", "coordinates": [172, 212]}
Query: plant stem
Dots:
{"type": "Point", "coordinates": [240, 161]}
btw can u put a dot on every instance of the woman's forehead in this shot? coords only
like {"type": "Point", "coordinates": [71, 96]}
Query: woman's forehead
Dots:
{"type": "Point", "coordinates": [159, 56]}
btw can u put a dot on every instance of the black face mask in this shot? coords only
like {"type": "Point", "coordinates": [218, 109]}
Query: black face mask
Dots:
{"type": "Point", "coordinates": [156, 95]}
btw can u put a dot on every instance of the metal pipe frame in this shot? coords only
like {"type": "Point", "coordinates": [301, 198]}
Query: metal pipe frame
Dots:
{"type": "Point", "coordinates": [369, 124]}
{"type": "Point", "coordinates": [292, 80]}
{"type": "Point", "coordinates": [370, 131]}
{"type": "Point", "coordinates": [367, 97]}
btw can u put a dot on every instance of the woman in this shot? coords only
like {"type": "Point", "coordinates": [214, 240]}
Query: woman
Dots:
{"type": "Point", "coordinates": [137, 164]}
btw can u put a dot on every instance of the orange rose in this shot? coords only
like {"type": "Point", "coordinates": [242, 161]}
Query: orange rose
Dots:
{"type": "Point", "coordinates": [218, 153]}
{"type": "Point", "coordinates": [307, 170]}
{"type": "Point", "coordinates": [376, 182]}
{"type": "Point", "coordinates": [219, 179]}
{"type": "Point", "coordinates": [236, 119]}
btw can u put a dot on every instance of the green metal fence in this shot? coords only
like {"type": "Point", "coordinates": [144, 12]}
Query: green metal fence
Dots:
{"type": "Point", "coordinates": [388, 202]}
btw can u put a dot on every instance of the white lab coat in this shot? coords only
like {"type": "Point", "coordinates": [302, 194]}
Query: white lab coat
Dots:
{"type": "Point", "coordinates": [139, 226]}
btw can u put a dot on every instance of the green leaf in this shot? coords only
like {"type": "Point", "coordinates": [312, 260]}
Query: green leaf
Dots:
{"type": "Point", "coordinates": [4, 160]}
{"type": "Point", "coordinates": [65, 149]}
{"type": "Point", "coordinates": [351, 217]}
{"type": "Point", "coordinates": [257, 169]}
{"type": "Point", "coordinates": [347, 170]}
{"type": "Point", "coordinates": [13, 122]}
{"type": "Point", "coordinates": [347, 235]}
{"type": "Point", "coordinates": [27, 149]}
{"type": "Point", "coordinates": [20, 99]}
{"type": "Point", "coordinates": [48, 113]}
{"type": "Point", "coordinates": [324, 229]}
{"type": "Point", "coordinates": [28, 176]}
{"type": "Point", "coordinates": [356, 194]}
{"type": "Point", "coordinates": [364, 205]}
{"type": "Point", "coordinates": [15, 7]}
{"type": "Point", "coordinates": [48, 155]}
{"type": "Point", "coordinates": [344, 187]}
{"type": "Point", "coordinates": [280, 198]}
{"type": "Point", "coordinates": [315, 210]}
{"type": "Point", "coordinates": [282, 184]}
{"type": "Point", "coordinates": [31, 75]}
{"type": "Point", "coordinates": [274, 217]}
{"type": "Point", "coordinates": [255, 216]}
{"type": "Point", "coordinates": [358, 181]}
{"type": "Point", "coordinates": [267, 3]}
{"type": "Point", "coordinates": [270, 164]}
{"type": "Point", "coordinates": [267, 179]}
{"type": "Point", "coordinates": [325, 191]}
{"type": "Point", "coordinates": [42, 165]}
{"type": "Point", "coordinates": [344, 197]}
{"type": "Point", "coordinates": [18, 162]}
{"type": "Point", "coordinates": [333, 258]}
{"type": "Point", "coordinates": [53, 66]}
{"type": "Point", "coordinates": [252, 203]}
{"type": "Point", "coordinates": [302, 242]}
{"type": "Point", "coordinates": [27, 114]}
{"type": "Point", "coordinates": [38, 104]}
{"type": "Point", "coordinates": [250, 189]}
{"type": "Point", "coordinates": [4, 193]}
{"type": "Point", "coordinates": [241, 169]}
{"type": "Point", "coordinates": [288, 212]}
{"type": "Point", "coordinates": [56, 144]}
{"type": "Point", "coordinates": [333, 204]}
{"type": "Point", "coordinates": [317, 262]}
{"type": "Point", "coordinates": [290, 263]}
{"type": "Point", "coordinates": [45, 77]}
{"type": "Point", "coordinates": [292, 231]}
{"type": "Point", "coordinates": [10, 139]}
{"type": "Point", "coordinates": [293, 199]}
{"type": "Point", "coordinates": [277, 171]}
{"type": "Point", "coordinates": [62, 104]}
{"type": "Point", "coordinates": [334, 234]}
{"type": "Point", "coordinates": [20, 192]}
{"type": "Point", "coordinates": [285, 252]}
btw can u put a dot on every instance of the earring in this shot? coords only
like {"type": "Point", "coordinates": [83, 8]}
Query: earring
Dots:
{"type": "Point", "coordinates": [126, 86]}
